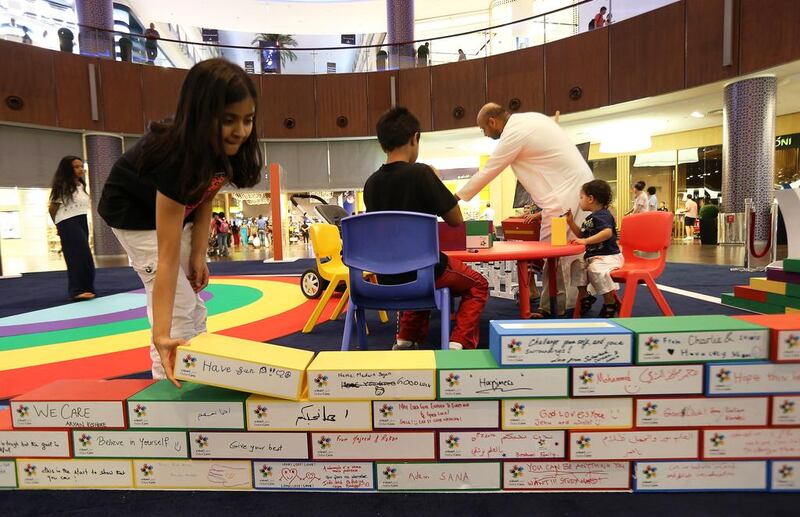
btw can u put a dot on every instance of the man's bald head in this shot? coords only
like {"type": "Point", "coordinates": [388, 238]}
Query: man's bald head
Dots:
{"type": "Point", "coordinates": [492, 119]}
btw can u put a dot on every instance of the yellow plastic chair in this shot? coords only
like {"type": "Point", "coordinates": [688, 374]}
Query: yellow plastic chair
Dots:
{"type": "Point", "coordinates": [327, 245]}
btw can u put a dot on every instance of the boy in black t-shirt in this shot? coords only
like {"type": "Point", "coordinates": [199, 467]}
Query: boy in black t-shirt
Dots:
{"type": "Point", "coordinates": [599, 234]}
{"type": "Point", "coordinates": [402, 184]}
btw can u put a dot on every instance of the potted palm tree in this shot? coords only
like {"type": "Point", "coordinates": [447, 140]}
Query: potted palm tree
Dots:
{"type": "Point", "coordinates": [272, 46]}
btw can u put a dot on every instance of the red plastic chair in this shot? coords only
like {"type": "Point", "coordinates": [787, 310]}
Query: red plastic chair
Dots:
{"type": "Point", "coordinates": [649, 232]}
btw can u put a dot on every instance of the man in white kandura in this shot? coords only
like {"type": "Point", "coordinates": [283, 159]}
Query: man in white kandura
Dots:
{"type": "Point", "coordinates": [548, 165]}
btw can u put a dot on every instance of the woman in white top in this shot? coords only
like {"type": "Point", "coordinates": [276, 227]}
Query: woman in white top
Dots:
{"type": "Point", "coordinates": [639, 198]}
{"type": "Point", "coordinates": [69, 205]}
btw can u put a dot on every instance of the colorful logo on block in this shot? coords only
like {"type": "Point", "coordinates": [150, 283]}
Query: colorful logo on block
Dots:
{"type": "Point", "coordinates": [518, 409]}
{"type": "Point", "coordinates": [793, 341]}
{"type": "Point", "coordinates": [718, 440]}
{"type": "Point", "coordinates": [583, 442]}
{"type": "Point", "coordinates": [140, 410]}
{"type": "Point", "coordinates": [586, 377]}
{"type": "Point", "coordinates": [85, 439]}
{"type": "Point", "coordinates": [30, 470]}
{"type": "Point", "coordinates": [723, 375]}
{"type": "Point", "coordinates": [452, 379]}
{"type": "Point", "coordinates": [516, 471]}
{"type": "Point", "coordinates": [321, 380]}
{"type": "Point", "coordinates": [22, 411]}
{"type": "Point", "coordinates": [266, 471]}
{"type": "Point", "coordinates": [260, 411]}
{"type": "Point", "coordinates": [786, 471]}
{"type": "Point", "coordinates": [515, 345]}
{"type": "Point", "coordinates": [201, 441]}
{"type": "Point", "coordinates": [390, 472]}
{"type": "Point", "coordinates": [651, 344]}
{"type": "Point", "coordinates": [452, 442]}
{"type": "Point", "coordinates": [324, 442]}
{"type": "Point", "coordinates": [387, 410]}
{"type": "Point", "coordinates": [650, 409]}
{"type": "Point", "coordinates": [787, 407]}
{"type": "Point", "coordinates": [649, 472]}
{"type": "Point", "coordinates": [147, 470]}
{"type": "Point", "coordinates": [189, 361]}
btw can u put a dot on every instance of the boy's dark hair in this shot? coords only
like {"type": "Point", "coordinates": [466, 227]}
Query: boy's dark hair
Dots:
{"type": "Point", "coordinates": [640, 185]}
{"type": "Point", "coordinates": [651, 191]}
{"type": "Point", "coordinates": [191, 143]}
{"type": "Point", "coordinates": [395, 128]}
{"type": "Point", "coordinates": [600, 190]}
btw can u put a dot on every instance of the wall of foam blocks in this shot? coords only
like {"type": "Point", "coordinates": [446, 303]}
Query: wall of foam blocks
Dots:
{"type": "Point", "coordinates": [696, 403]}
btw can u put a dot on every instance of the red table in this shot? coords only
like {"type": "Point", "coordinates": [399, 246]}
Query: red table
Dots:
{"type": "Point", "coordinates": [523, 252]}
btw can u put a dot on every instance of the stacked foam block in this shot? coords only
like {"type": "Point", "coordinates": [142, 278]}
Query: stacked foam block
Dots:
{"type": "Point", "coordinates": [777, 293]}
{"type": "Point", "coordinates": [644, 404]}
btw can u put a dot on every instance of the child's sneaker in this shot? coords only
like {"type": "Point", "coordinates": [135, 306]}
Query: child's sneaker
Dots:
{"type": "Point", "coordinates": [455, 346]}
{"type": "Point", "coordinates": [403, 344]}
{"type": "Point", "coordinates": [610, 310]}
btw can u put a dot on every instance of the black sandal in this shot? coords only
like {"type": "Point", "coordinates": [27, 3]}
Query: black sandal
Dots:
{"type": "Point", "coordinates": [610, 310]}
{"type": "Point", "coordinates": [540, 314]}
{"type": "Point", "coordinates": [586, 304]}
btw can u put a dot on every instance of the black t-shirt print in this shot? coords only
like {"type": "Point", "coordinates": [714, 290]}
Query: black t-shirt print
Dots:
{"type": "Point", "coordinates": [408, 187]}
{"type": "Point", "coordinates": [594, 224]}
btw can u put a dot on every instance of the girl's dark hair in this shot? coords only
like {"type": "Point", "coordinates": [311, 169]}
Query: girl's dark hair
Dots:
{"type": "Point", "coordinates": [395, 128]}
{"type": "Point", "coordinates": [600, 190]}
{"type": "Point", "coordinates": [651, 191]}
{"type": "Point", "coordinates": [64, 186]}
{"type": "Point", "coordinates": [190, 145]}
{"type": "Point", "coordinates": [640, 185]}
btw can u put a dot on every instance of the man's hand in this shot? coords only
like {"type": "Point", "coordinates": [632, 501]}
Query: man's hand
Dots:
{"type": "Point", "coordinates": [530, 218]}
{"type": "Point", "coordinates": [167, 351]}
{"type": "Point", "coordinates": [198, 273]}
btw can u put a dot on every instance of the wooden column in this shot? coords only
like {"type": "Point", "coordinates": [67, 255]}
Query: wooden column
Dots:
{"type": "Point", "coordinates": [275, 203]}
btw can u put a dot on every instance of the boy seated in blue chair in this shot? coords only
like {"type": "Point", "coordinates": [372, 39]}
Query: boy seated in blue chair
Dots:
{"type": "Point", "coordinates": [404, 185]}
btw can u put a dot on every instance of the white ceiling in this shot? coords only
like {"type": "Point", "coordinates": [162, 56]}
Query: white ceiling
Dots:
{"type": "Point", "coordinates": [660, 115]}
{"type": "Point", "coordinates": [293, 16]}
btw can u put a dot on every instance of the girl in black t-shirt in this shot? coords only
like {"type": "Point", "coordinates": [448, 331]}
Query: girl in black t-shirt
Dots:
{"type": "Point", "coordinates": [159, 195]}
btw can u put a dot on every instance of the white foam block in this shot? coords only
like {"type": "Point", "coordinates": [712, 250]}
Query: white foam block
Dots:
{"type": "Point", "coordinates": [760, 378]}
{"type": "Point", "coordinates": [603, 413]}
{"type": "Point", "coordinates": [34, 444]}
{"type": "Point", "coordinates": [784, 475]}
{"type": "Point", "coordinates": [8, 474]}
{"type": "Point", "coordinates": [724, 345]}
{"type": "Point", "coordinates": [433, 414]}
{"type": "Point", "coordinates": [637, 380]}
{"type": "Point", "coordinates": [252, 445]}
{"type": "Point", "coordinates": [691, 476]}
{"type": "Point", "coordinates": [567, 475]}
{"type": "Point", "coordinates": [751, 443]}
{"type": "Point", "coordinates": [487, 445]}
{"type": "Point", "coordinates": [187, 415]}
{"type": "Point", "coordinates": [405, 445]}
{"type": "Point", "coordinates": [503, 382]}
{"type": "Point", "coordinates": [62, 414]}
{"type": "Point", "coordinates": [267, 414]}
{"type": "Point", "coordinates": [130, 444]}
{"type": "Point", "coordinates": [372, 385]}
{"type": "Point", "coordinates": [701, 412]}
{"type": "Point", "coordinates": [193, 474]}
{"type": "Point", "coordinates": [786, 348]}
{"type": "Point", "coordinates": [313, 475]}
{"type": "Point", "coordinates": [94, 473]}
{"type": "Point", "coordinates": [785, 411]}
{"type": "Point", "coordinates": [438, 476]}
{"type": "Point", "coordinates": [631, 445]}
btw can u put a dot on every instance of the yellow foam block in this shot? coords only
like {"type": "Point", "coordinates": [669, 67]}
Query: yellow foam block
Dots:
{"type": "Point", "coordinates": [378, 375]}
{"type": "Point", "coordinates": [558, 229]}
{"type": "Point", "coordinates": [791, 309]}
{"type": "Point", "coordinates": [271, 414]}
{"type": "Point", "coordinates": [769, 286]}
{"type": "Point", "coordinates": [243, 365]}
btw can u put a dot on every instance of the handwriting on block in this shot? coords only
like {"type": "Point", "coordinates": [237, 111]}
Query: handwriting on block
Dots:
{"type": "Point", "coordinates": [432, 414]}
{"type": "Point", "coordinates": [313, 476]}
{"type": "Point", "coordinates": [267, 414]}
{"type": "Point", "coordinates": [196, 415]}
{"type": "Point", "coordinates": [756, 378]}
{"type": "Point", "coordinates": [8, 475]}
{"type": "Point", "coordinates": [701, 412]}
{"type": "Point", "coordinates": [193, 474]}
{"type": "Point", "coordinates": [129, 444]}
{"type": "Point", "coordinates": [74, 473]}
{"type": "Point", "coordinates": [455, 445]}
{"type": "Point", "coordinates": [632, 445]}
{"type": "Point", "coordinates": [438, 476]}
{"type": "Point", "coordinates": [690, 476]}
{"type": "Point", "coordinates": [692, 347]}
{"type": "Point", "coordinates": [608, 413]}
{"type": "Point", "coordinates": [34, 444]}
{"type": "Point", "coordinates": [751, 443]}
{"type": "Point", "coordinates": [372, 385]}
{"type": "Point", "coordinates": [567, 475]}
{"type": "Point", "coordinates": [376, 445]}
{"type": "Point", "coordinates": [503, 383]}
{"type": "Point", "coordinates": [251, 445]}
{"type": "Point", "coordinates": [637, 380]}
{"type": "Point", "coordinates": [68, 414]}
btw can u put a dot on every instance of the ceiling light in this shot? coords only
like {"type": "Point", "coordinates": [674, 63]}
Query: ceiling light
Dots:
{"type": "Point", "coordinates": [715, 112]}
{"type": "Point", "coordinates": [697, 114]}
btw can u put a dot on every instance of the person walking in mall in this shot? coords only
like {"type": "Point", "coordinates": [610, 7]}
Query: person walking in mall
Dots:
{"type": "Point", "coordinates": [639, 198]}
{"type": "Point", "coordinates": [461, 55]}
{"type": "Point", "coordinates": [223, 230]}
{"type": "Point", "coordinates": [652, 200]}
{"type": "Point", "coordinates": [151, 43]}
{"type": "Point", "coordinates": [423, 55]}
{"type": "Point", "coordinates": [689, 216]}
{"type": "Point", "coordinates": [549, 166]}
{"type": "Point", "coordinates": [69, 206]}
{"type": "Point", "coordinates": [159, 196]}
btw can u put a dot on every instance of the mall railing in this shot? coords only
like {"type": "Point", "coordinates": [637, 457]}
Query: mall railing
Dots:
{"type": "Point", "coordinates": [364, 52]}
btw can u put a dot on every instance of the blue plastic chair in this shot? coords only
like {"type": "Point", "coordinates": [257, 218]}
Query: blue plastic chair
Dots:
{"type": "Point", "coordinates": [391, 243]}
